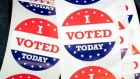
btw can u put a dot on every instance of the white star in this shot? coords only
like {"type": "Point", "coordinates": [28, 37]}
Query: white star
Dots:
{"type": "Point", "coordinates": [19, 58]}
{"type": "Point", "coordinates": [25, 63]}
{"type": "Point", "coordinates": [49, 12]}
{"type": "Point", "coordinates": [48, 24]}
{"type": "Point", "coordinates": [105, 50]}
{"type": "Point", "coordinates": [20, 76]}
{"type": "Point", "coordinates": [86, 11]}
{"type": "Point", "coordinates": [91, 69]}
{"type": "Point", "coordinates": [41, 22]}
{"type": "Point", "coordinates": [134, 52]}
{"type": "Point", "coordinates": [27, 5]}
{"type": "Point", "coordinates": [82, 55]}
{"type": "Point", "coordinates": [40, 66]}
{"type": "Point", "coordinates": [85, 1]}
{"type": "Point", "coordinates": [110, 43]}
{"type": "Point", "coordinates": [25, 24]}
{"type": "Point", "coordinates": [90, 56]}
{"type": "Point", "coordinates": [48, 64]}
{"type": "Point", "coordinates": [122, 50]}
{"type": "Point", "coordinates": [19, 29]}
{"type": "Point", "coordinates": [74, 52]}
{"type": "Point", "coordinates": [41, 11]}
{"type": "Point", "coordinates": [33, 21]}
{"type": "Point", "coordinates": [107, 20]}
{"type": "Point", "coordinates": [32, 66]}
{"type": "Point", "coordinates": [136, 74]}
{"type": "Point", "coordinates": [106, 74]}
{"type": "Point", "coordinates": [92, 0]}
{"type": "Point", "coordinates": [78, 13]}
{"type": "Point", "coordinates": [54, 29]}
{"type": "Point", "coordinates": [102, 15]}
{"type": "Point", "coordinates": [15, 51]}
{"type": "Point", "coordinates": [94, 12]}
{"type": "Point", "coordinates": [69, 46]}
{"type": "Point", "coordinates": [29, 77]}
{"type": "Point", "coordinates": [71, 17]}
{"type": "Point", "coordinates": [76, 76]}
{"type": "Point", "coordinates": [54, 59]}
{"type": "Point", "coordinates": [34, 9]}
{"type": "Point", "coordinates": [98, 54]}
{"type": "Point", "coordinates": [83, 72]}
{"type": "Point", "coordinates": [99, 70]}
{"type": "Point", "coordinates": [76, 0]}
{"type": "Point", "coordinates": [67, 23]}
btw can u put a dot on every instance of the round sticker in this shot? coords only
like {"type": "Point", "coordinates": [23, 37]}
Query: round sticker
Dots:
{"type": "Point", "coordinates": [82, 2]}
{"type": "Point", "coordinates": [42, 7]}
{"type": "Point", "coordinates": [90, 34]}
{"type": "Point", "coordinates": [23, 76]}
{"type": "Point", "coordinates": [34, 44]}
{"type": "Point", "coordinates": [92, 72]}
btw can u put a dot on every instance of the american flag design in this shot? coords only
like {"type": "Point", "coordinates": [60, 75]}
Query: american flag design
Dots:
{"type": "Point", "coordinates": [42, 7]}
{"type": "Point", "coordinates": [23, 76]}
{"type": "Point", "coordinates": [82, 2]}
{"type": "Point", "coordinates": [33, 61]}
{"type": "Point", "coordinates": [93, 72]}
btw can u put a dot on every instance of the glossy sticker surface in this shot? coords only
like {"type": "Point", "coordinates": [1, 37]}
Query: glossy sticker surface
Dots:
{"type": "Point", "coordinates": [89, 27]}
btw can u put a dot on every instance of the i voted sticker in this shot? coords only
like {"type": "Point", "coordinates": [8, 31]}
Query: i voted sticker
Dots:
{"type": "Point", "coordinates": [42, 7]}
{"type": "Point", "coordinates": [93, 72]}
{"type": "Point", "coordinates": [33, 61]}
{"type": "Point", "coordinates": [82, 2]}
{"type": "Point", "coordinates": [34, 44]}
{"type": "Point", "coordinates": [23, 76]}
{"type": "Point", "coordinates": [90, 34]}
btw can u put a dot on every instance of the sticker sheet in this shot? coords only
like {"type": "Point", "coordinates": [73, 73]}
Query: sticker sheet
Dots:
{"type": "Point", "coordinates": [135, 30]}
{"type": "Point", "coordinates": [90, 42]}
{"type": "Point", "coordinates": [33, 46]}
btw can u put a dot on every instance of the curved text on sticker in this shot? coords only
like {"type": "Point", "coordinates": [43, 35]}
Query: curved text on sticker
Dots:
{"type": "Point", "coordinates": [33, 61]}
{"type": "Point", "coordinates": [91, 34]}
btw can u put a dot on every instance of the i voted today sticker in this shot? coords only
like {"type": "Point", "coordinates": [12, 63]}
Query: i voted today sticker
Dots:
{"type": "Point", "coordinates": [42, 7]}
{"type": "Point", "coordinates": [23, 76]}
{"type": "Point", "coordinates": [93, 72]}
{"type": "Point", "coordinates": [89, 34]}
{"type": "Point", "coordinates": [34, 44]}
